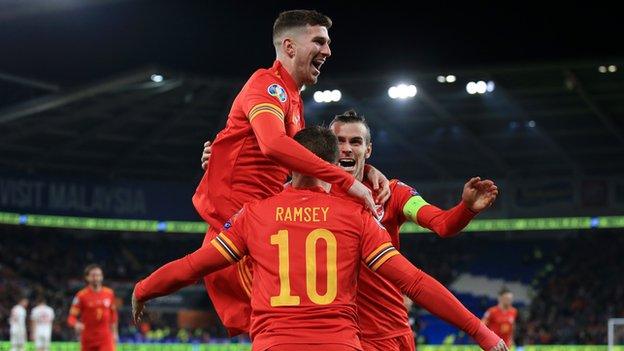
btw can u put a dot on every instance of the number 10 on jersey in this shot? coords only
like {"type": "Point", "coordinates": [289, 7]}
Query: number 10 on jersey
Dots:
{"type": "Point", "coordinates": [285, 298]}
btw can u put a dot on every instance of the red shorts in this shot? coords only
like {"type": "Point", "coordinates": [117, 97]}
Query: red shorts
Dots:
{"type": "Point", "coordinates": [230, 292]}
{"type": "Point", "coordinates": [404, 342]}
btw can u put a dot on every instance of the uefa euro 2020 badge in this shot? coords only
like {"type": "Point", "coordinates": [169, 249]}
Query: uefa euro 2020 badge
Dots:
{"type": "Point", "coordinates": [277, 91]}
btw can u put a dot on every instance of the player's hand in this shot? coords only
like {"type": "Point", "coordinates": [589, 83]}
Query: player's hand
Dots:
{"type": "Point", "coordinates": [206, 154]}
{"type": "Point", "coordinates": [363, 193]}
{"type": "Point", "coordinates": [137, 310]}
{"type": "Point", "coordinates": [381, 184]}
{"type": "Point", "coordinates": [479, 194]}
{"type": "Point", "coordinates": [78, 327]}
{"type": "Point", "coordinates": [501, 346]}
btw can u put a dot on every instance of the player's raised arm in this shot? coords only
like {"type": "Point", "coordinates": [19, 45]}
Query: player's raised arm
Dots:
{"type": "Point", "coordinates": [477, 196]}
{"type": "Point", "coordinates": [267, 117]}
{"type": "Point", "coordinates": [420, 287]}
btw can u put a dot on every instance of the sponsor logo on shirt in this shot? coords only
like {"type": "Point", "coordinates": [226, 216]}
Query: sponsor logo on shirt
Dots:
{"type": "Point", "coordinates": [277, 91]}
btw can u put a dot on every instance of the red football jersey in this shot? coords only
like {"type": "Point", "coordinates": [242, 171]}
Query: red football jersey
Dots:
{"type": "Point", "coordinates": [97, 311]}
{"type": "Point", "coordinates": [306, 246]}
{"type": "Point", "coordinates": [502, 322]}
{"type": "Point", "coordinates": [380, 304]}
{"type": "Point", "coordinates": [238, 171]}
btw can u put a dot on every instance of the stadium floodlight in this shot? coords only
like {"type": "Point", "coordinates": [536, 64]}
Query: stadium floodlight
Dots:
{"type": "Point", "coordinates": [336, 95]}
{"type": "Point", "coordinates": [318, 96]}
{"type": "Point", "coordinates": [157, 78]}
{"type": "Point", "coordinates": [490, 86]}
{"type": "Point", "coordinates": [531, 124]}
{"type": "Point", "coordinates": [481, 87]}
{"type": "Point", "coordinates": [612, 68]}
{"type": "Point", "coordinates": [441, 79]}
{"type": "Point", "coordinates": [402, 91]}
{"type": "Point", "coordinates": [471, 88]}
{"type": "Point", "coordinates": [602, 69]}
{"type": "Point", "coordinates": [327, 96]}
{"type": "Point", "coordinates": [303, 88]}
{"type": "Point", "coordinates": [451, 78]}
{"type": "Point", "coordinates": [393, 92]}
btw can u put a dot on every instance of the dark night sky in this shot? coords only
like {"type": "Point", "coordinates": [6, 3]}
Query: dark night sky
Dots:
{"type": "Point", "coordinates": [231, 39]}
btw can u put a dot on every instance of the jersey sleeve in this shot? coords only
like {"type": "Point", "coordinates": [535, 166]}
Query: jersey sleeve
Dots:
{"type": "Point", "coordinates": [264, 94]}
{"type": "Point", "coordinates": [74, 311]}
{"type": "Point", "coordinates": [445, 223]}
{"type": "Point", "coordinates": [182, 272]}
{"type": "Point", "coordinates": [435, 298]}
{"type": "Point", "coordinates": [231, 242]}
{"type": "Point", "coordinates": [406, 199]}
{"type": "Point", "coordinates": [376, 246]}
{"type": "Point", "coordinates": [285, 151]}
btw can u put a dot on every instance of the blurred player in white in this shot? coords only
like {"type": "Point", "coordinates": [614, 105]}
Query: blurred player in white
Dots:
{"type": "Point", "coordinates": [41, 319]}
{"type": "Point", "coordinates": [17, 320]}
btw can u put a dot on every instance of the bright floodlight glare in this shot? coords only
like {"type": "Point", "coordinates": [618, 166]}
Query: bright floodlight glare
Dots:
{"type": "Point", "coordinates": [531, 124]}
{"type": "Point", "coordinates": [481, 87]}
{"type": "Point", "coordinates": [451, 78]}
{"type": "Point", "coordinates": [327, 96]}
{"type": "Point", "coordinates": [303, 88]}
{"type": "Point", "coordinates": [602, 69]}
{"type": "Point", "coordinates": [612, 68]}
{"type": "Point", "coordinates": [318, 96]}
{"type": "Point", "coordinates": [402, 91]}
{"type": "Point", "coordinates": [156, 78]}
{"type": "Point", "coordinates": [336, 95]}
{"type": "Point", "coordinates": [471, 88]}
{"type": "Point", "coordinates": [490, 86]}
{"type": "Point", "coordinates": [441, 79]}
{"type": "Point", "coordinates": [393, 92]}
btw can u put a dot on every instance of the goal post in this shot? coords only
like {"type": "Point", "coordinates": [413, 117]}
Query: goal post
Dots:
{"type": "Point", "coordinates": [613, 337]}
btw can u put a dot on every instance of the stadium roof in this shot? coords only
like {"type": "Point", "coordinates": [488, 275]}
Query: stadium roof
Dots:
{"type": "Point", "coordinates": [79, 98]}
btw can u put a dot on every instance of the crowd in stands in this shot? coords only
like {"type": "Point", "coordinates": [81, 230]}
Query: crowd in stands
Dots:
{"type": "Point", "coordinates": [577, 287]}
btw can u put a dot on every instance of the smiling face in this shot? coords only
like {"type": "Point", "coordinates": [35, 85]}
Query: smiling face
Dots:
{"type": "Point", "coordinates": [309, 47]}
{"type": "Point", "coordinates": [354, 146]}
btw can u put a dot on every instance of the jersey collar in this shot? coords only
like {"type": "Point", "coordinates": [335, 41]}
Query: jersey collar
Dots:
{"type": "Point", "coordinates": [291, 86]}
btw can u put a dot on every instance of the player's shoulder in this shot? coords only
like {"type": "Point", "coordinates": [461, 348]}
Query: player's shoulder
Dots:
{"type": "Point", "coordinates": [265, 76]}
{"type": "Point", "coordinates": [397, 184]}
{"type": "Point", "coordinates": [343, 201]}
{"type": "Point", "coordinates": [108, 290]}
{"type": "Point", "coordinates": [82, 292]}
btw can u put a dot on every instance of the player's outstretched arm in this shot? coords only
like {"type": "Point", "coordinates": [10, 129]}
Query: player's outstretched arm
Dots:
{"type": "Point", "coordinates": [434, 297]}
{"type": "Point", "coordinates": [175, 275]}
{"type": "Point", "coordinates": [477, 196]}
